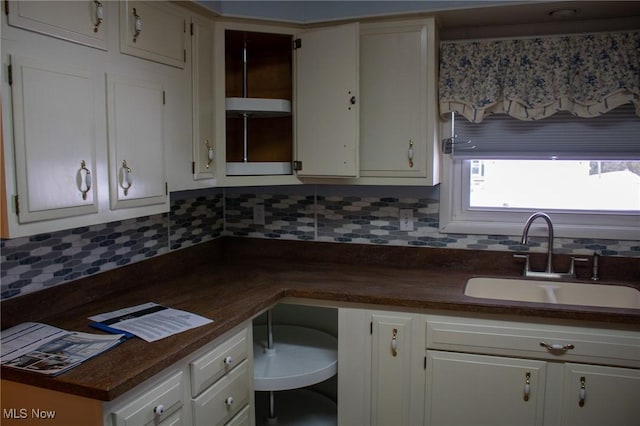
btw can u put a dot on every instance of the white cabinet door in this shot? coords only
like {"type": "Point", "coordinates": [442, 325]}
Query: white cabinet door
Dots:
{"type": "Point", "coordinates": [81, 21]}
{"type": "Point", "coordinates": [53, 111]}
{"type": "Point", "coordinates": [477, 390]}
{"type": "Point", "coordinates": [202, 92]}
{"type": "Point", "coordinates": [154, 31]}
{"type": "Point", "coordinates": [393, 107]}
{"type": "Point", "coordinates": [326, 102]}
{"type": "Point", "coordinates": [136, 142]}
{"type": "Point", "coordinates": [399, 126]}
{"type": "Point", "coordinates": [597, 395]}
{"type": "Point", "coordinates": [390, 369]}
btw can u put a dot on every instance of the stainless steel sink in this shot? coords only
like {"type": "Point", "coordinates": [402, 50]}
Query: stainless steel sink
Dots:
{"type": "Point", "coordinates": [570, 293]}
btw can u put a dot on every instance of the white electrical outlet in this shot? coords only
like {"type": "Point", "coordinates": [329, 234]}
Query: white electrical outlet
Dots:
{"type": "Point", "coordinates": [406, 219]}
{"type": "Point", "coordinates": [258, 214]}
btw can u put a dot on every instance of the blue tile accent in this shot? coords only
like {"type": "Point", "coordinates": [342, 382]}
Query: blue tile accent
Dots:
{"type": "Point", "coordinates": [40, 261]}
{"type": "Point", "coordinates": [306, 213]}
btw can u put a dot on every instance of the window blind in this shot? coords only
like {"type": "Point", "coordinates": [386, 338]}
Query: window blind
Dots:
{"type": "Point", "coordinates": [611, 136]}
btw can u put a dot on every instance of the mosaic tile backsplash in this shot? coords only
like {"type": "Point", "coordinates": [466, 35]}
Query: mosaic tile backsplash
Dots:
{"type": "Point", "coordinates": [311, 213]}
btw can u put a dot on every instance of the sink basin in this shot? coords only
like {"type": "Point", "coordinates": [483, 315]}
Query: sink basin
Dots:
{"type": "Point", "coordinates": [615, 296]}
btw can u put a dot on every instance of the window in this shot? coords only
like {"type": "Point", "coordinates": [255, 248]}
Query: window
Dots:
{"type": "Point", "coordinates": [565, 166]}
{"type": "Point", "coordinates": [582, 185]}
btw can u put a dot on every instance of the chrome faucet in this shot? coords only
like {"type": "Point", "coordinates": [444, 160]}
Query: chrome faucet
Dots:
{"type": "Point", "coordinates": [525, 237]}
{"type": "Point", "coordinates": [548, 272]}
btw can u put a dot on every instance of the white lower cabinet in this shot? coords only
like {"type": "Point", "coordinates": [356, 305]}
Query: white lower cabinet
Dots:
{"type": "Point", "coordinates": [492, 372]}
{"type": "Point", "coordinates": [214, 386]}
{"type": "Point", "coordinates": [380, 367]}
{"type": "Point", "coordinates": [404, 368]}
{"type": "Point", "coordinates": [391, 369]}
{"type": "Point", "coordinates": [224, 399]}
{"type": "Point", "coordinates": [162, 404]}
{"type": "Point", "coordinates": [599, 395]}
{"type": "Point", "coordinates": [474, 390]}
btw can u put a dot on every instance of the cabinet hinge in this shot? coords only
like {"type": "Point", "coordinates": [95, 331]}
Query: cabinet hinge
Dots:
{"type": "Point", "coordinates": [425, 362]}
{"type": "Point", "coordinates": [297, 43]}
{"type": "Point", "coordinates": [166, 188]}
{"type": "Point", "coordinates": [297, 165]}
{"type": "Point", "coordinates": [6, 7]}
{"type": "Point", "coordinates": [16, 202]}
{"type": "Point", "coordinates": [371, 327]}
{"type": "Point", "coordinates": [164, 97]}
{"type": "Point", "coordinates": [10, 75]}
{"type": "Point", "coordinates": [191, 28]}
{"type": "Point", "coordinates": [193, 167]}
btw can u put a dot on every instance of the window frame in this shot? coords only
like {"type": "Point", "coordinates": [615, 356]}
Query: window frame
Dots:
{"type": "Point", "coordinates": [456, 217]}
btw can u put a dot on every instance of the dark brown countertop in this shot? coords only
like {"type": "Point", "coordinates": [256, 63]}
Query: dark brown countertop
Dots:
{"type": "Point", "coordinates": [232, 280]}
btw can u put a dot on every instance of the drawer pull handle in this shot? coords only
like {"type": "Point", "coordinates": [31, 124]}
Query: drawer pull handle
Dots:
{"type": "Point", "coordinates": [582, 395]}
{"type": "Point", "coordinates": [229, 401]}
{"type": "Point", "coordinates": [557, 347]}
{"type": "Point", "coordinates": [394, 343]}
{"type": "Point", "coordinates": [158, 410]}
{"type": "Point", "coordinates": [527, 386]}
{"type": "Point", "coordinates": [228, 360]}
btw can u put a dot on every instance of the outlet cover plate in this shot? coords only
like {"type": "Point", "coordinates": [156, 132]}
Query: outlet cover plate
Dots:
{"type": "Point", "coordinates": [406, 219]}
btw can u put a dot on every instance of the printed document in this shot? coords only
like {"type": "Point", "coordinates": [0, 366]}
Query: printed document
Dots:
{"type": "Point", "coordinates": [149, 321]}
{"type": "Point", "coordinates": [45, 349]}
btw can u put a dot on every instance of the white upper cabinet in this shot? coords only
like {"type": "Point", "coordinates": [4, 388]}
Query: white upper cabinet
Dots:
{"type": "Point", "coordinates": [327, 102]}
{"type": "Point", "coordinates": [135, 115]}
{"type": "Point", "coordinates": [82, 21]}
{"type": "Point", "coordinates": [74, 116]}
{"type": "Point", "coordinates": [202, 93]}
{"type": "Point", "coordinates": [398, 109]}
{"type": "Point", "coordinates": [55, 156]}
{"type": "Point", "coordinates": [153, 30]}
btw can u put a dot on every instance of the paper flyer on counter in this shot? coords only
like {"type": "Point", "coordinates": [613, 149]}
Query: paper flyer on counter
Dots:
{"type": "Point", "coordinates": [148, 321]}
{"type": "Point", "coordinates": [45, 349]}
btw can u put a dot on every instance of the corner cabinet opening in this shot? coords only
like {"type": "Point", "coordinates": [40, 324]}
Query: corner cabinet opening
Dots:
{"type": "Point", "coordinates": [295, 352]}
{"type": "Point", "coordinates": [258, 98]}
{"type": "Point", "coordinates": [290, 105]}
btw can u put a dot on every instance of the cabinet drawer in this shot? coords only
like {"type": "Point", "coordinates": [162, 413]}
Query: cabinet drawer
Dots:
{"type": "Point", "coordinates": [213, 365]}
{"type": "Point", "coordinates": [243, 418]}
{"type": "Point", "coordinates": [224, 399]}
{"type": "Point", "coordinates": [613, 347]}
{"type": "Point", "coordinates": [167, 395]}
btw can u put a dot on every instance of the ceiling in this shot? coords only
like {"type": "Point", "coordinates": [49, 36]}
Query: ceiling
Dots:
{"type": "Point", "coordinates": [454, 12]}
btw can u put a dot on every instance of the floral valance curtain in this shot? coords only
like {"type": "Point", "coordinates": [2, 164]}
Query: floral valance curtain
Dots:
{"type": "Point", "coordinates": [533, 78]}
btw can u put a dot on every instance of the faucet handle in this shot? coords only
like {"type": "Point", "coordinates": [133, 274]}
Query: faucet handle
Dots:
{"type": "Point", "coordinates": [572, 270]}
{"type": "Point", "coordinates": [526, 261]}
